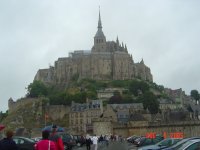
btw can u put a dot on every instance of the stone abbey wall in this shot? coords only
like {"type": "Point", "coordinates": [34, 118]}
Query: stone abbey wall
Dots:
{"type": "Point", "coordinates": [107, 60]}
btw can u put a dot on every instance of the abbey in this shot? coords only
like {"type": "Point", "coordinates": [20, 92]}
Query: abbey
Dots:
{"type": "Point", "coordinates": [107, 60]}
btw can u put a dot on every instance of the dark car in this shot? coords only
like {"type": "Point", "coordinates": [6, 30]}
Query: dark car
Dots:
{"type": "Point", "coordinates": [68, 140]}
{"type": "Point", "coordinates": [80, 140]}
{"type": "Point", "coordinates": [24, 143]}
{"type": "Point", "coordinates": [143, 141]}
{"type": "Point", "coordinates": [131, 139]}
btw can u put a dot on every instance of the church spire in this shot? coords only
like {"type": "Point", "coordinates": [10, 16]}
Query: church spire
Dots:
{"type": "Point", "coordinates": [99, 33]}
{"type": "Point", "coordinates": [99, 22]}
{"type": "Point", "coordinates": [99, 38]}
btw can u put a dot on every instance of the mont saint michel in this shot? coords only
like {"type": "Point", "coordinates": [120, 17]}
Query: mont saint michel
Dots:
{"type": "Point", "coordinates": [107, 60]}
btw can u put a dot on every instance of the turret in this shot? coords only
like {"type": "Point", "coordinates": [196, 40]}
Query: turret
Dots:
{"type": "Point", "coordinates": [126, 48]}
{"type": "Point", "coordinates": [117, 41]}
{"type": "Point", "coordinates": [142, 61]}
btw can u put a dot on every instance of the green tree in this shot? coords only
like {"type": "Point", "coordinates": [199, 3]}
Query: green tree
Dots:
{"type": "Point", "coordinates": [91, 94]}
{"type": "Point", "coordinates": [138, 87]}
{"type": "Point", "coordinates": [126, 98]}
{"type": "Point", "coordinates": [195, 94]}
{"type": "Point", "coordinates": [36, 89]}
{"type": "Point", "coordinates": [150, 102]}
{"type": "Point", "coordinates": [3, 115]}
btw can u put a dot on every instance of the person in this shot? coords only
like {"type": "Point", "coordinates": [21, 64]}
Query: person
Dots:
{"type": "Point", "coordinates": [106, 139]}
{"type": "Point", "coordinates": [101, 138]}
{"type": "Point", "coordinates": [88, 142]}
{"type": "Point", "coordinates": [45, 143]}
{"type": "Point", "coordinates": [56, 138]}
{"type": "Point", "coordinates": [7, 143]}
{"type": "Point", "coordinates": [95, 141]}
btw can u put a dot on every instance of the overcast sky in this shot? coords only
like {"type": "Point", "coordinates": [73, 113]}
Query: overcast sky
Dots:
{"type": "Point", "coordinates": [35, 33]}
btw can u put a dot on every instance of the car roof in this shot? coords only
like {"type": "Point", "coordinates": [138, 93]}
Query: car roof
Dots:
{"type": "Point", "coordinates": [183, 141]}
{"type": "Point", "coordinates": [189, 142]}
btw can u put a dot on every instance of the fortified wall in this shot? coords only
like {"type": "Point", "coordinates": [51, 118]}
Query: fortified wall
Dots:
{"type": "Point", "coordinates": [14, 105]}
{"type": "Point", "coordinates": [55, 112]}
{"type": "Point", "coordinates": [187, 128]}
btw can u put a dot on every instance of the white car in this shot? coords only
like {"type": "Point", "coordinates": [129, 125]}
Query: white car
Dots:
{"type": "Point", "coordinates": [36, 139]}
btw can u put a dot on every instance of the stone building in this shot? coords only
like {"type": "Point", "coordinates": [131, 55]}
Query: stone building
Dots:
{"type": "Point", "coordinates": [109, 92]}
{"type": "Point", "coordinates": [107, 60]}
{"type": "Point", "coordinates": [120, 113]}
{"type": "Point", "coordinates": [81, 116]}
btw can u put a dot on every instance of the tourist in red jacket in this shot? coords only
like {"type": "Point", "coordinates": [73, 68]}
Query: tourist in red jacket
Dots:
{"type": "Point", "coordinates": [45, 143]}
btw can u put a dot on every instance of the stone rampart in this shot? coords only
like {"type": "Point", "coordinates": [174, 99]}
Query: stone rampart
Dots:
{"type": "Point", "coordinates": [57, 112]}
{"type": "Point", "coordinates": [187, 128]}
{"type": "Point", "coordinates": [14, 105]}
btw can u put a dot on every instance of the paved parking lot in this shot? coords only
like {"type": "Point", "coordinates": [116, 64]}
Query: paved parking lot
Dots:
{"type": "Point", "coordinates": [111, 146]}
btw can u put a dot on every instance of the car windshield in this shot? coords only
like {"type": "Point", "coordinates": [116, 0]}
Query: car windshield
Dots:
{"type": "Point", "coordinates": [184, 145]}
{"type": "Point", "coordinates": [180, 143]}
{"type": "Point", "coordinates": [24, 138]}
{"type": "Point", "coordinates": [168, 142]}
{"type": "Point", "coordinates": [66, 136]}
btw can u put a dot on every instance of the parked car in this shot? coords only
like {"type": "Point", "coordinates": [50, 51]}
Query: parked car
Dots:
{"type": "Point", "coordinates": [191, 145]}
{"type": "Point", "coordinates": [68, 140]}
{"type": "Point", "coordinates": [80, 140]}
{"type": "Point", "coordinates": [131, 139]}
{"type": "Point", "coordinates": [160, 145]}
{"type": "Point", "coordinates": [36, 139]}
{"type": "Point", "coordinates": [180, 143]}
{"type": "Point", "coordinates": [143, 141]}
{"type": "Point", "coordinates": [24, 143]}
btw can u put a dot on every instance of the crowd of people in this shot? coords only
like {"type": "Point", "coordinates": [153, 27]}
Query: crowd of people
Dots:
{"type": "Point", "coordinates": [48, 142]}
{"type": "Point", "coordinates": [93, 141]}
{"type": "Point", "coordinates": [53, 141]}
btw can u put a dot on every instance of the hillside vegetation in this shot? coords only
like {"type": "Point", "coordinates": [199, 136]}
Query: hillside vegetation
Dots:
{"type": "Point", "coordinates": [78, 91]}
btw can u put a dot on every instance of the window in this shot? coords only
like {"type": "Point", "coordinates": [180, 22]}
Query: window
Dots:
{"type": "Point", "coordinates": [194, 146]}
